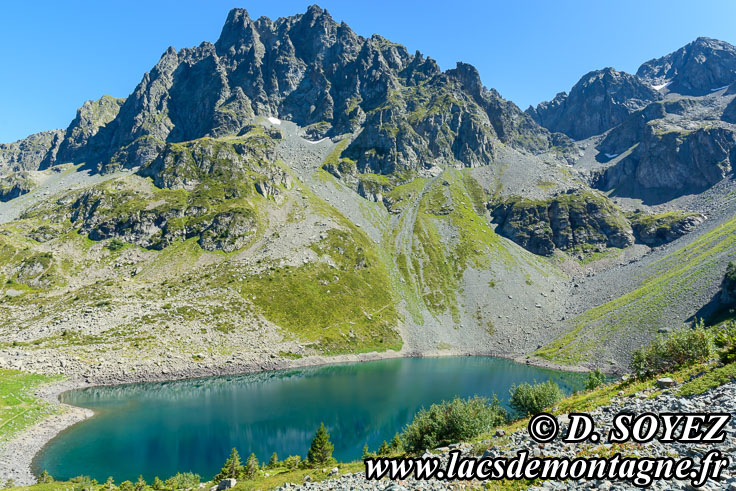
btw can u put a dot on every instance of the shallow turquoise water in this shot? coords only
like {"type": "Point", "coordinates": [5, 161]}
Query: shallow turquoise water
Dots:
{"type": "Point", "coordinates": [163, 428]}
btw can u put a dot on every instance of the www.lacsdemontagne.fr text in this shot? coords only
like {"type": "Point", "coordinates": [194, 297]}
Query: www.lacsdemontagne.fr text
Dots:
{"type": "Point", "coordinates": [543, 427]}
{"type": "Point", "coordinates": [638, 471]}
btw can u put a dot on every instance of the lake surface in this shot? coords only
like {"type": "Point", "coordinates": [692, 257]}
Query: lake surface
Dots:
{"type": "Point", "coordinates": [163, 428]}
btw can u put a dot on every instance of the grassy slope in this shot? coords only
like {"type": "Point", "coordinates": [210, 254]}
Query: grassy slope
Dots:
{"type": "Point", "coordinates": [672, 277]}
{"type": "Point", "coordinates": [435, 265]}
{"type": "Point", "coordinates": [19, 409]}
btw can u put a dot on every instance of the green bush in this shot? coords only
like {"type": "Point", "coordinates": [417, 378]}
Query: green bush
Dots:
{"type": "Point", "coordinates": [730, 277]}
{"type": "Point", "coordinates": [292, 462]}
{"type": "Point", "coordinates": [725, 340]}
{"type": "Point", "coordinates": [595, 379]}
{"type": "Point", "coordinates": [529, 399]}
{"type": "Point", "coordinates": [183, 480]}
{"type": "Point", "coordinates": [452, 421]}
{"type": "Point", "coordinates": [682, 348]}
{"type": "Point", "coordinates": [115, 245]}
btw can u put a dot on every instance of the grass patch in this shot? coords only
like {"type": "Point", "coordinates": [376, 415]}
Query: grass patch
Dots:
{"type": "Point", "coordinates": [345, 305]}
{"type": "Point", "coordinates": [19, 408]}
{"type": "Point", "coordinates": [709, 380]}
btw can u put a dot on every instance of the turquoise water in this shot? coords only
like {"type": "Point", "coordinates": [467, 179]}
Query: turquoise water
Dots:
{"type": "Point", "coordinates": [163, 428]}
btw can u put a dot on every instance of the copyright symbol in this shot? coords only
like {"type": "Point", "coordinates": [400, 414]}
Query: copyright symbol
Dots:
{"type": "Point", "coordinates": [543, 427]}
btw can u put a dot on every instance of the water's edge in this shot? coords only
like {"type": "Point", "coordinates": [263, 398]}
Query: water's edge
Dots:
{"type": "Point", "coordinates": [18, 455]}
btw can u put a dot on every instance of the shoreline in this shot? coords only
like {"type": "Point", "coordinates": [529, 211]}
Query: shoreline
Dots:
{"type": "Point", "coordinates": [17, 455]}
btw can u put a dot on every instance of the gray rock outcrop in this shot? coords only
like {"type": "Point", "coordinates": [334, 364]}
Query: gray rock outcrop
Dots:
{"type": "Point", "coordinates": [601, 100]}
{"type": "Point", "coordinates": [695, 69]}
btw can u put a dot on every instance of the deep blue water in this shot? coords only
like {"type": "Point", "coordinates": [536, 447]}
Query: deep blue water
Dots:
{"type": "Point", "coordinates": [163, 428]}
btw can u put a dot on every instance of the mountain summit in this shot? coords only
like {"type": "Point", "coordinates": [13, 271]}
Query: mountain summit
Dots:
{"type": "Point", "coordinates": [322, 76]}
{"type": "Point", "coordinates": [698, 68]}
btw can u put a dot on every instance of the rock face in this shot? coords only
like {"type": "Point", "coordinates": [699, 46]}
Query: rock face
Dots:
{"type": "Point", "coordinates": [728, 286]}
{"type": "Point", "coordinates": [135, 220]}
{"type": "Point", "coordinates": [92, 116]}
{"type": "Point", "coordinates": [14, 185]}
{"type": "Point", "coordinates": [567, 221]}
{"type": "Point", "coordinates": [321, 75]}
{"type": "Point", "coordinates": [187, 165]}
{"type": "Point", "coordinates": [31, 152]}
{"type": "Point", "coordinates": [729, 114]}
{"type": "Point", "coordinates": [674, 160]}
{"type": "Point", "coordinates": [601, 100]}
{"type": "Point", "coordinates": [655, 230]}
{"type": "Point", "coordinates": [695, 69]}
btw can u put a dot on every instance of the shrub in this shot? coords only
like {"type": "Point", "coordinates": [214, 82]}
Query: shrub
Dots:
{"type": "Point", "coordinates": [320, 452]}
{"type": "Point", "coordinates": [292, 462]}
{"type": "Point", "coordinates": [115, 245]}
{"type": "Point", "coordinates": [529, 399]}
{"type": "Point", "coordinates": [183, 480]}
{"type": "Point", "coordinates": [452, 421]}
{"type": "Point", "coordinates": [683, 347]}
{"type": "Point", "coordinates": [725, 340]}
{"type": "Point", "coordinates": [595, 379]}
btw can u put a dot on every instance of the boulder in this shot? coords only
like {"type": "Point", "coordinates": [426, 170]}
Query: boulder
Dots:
{"type": "Point", "coordinates": [226, 484]}
{"type": "Point", "coordinates": [665, 382]}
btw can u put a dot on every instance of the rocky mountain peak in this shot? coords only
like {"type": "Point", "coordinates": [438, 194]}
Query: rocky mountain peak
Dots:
{"type": "Point", "coordinates": [600, 100]}
{"type": "Point", "coordinates": [311, 70]}
{"type": "Point", "coordinates": [238, 27]}
{"type": "Point", "coordinates": [695, 69]}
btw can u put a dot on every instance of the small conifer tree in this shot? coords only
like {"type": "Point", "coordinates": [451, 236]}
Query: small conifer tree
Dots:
{"type": "Point", "coordinates": [320, 452]}
{"type": "Point", "coordinates": [273, 461]}
{"type": "Point", "coordinates": [45, 478]}
{"type": "Point", "coordinates": [251, 467]}
{"type": "Point", "coordinates": [233, 468]}
{"type": "Point", "coordinates": [140, 484]}
{"type": "Point", "coordinates": [384, 449]}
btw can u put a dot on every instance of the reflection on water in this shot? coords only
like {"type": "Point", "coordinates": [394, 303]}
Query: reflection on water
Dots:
{"type": "Point", "coordinates": [163, 428]}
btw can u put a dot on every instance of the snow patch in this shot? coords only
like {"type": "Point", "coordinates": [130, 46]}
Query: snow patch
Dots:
{"type": "Point", "coordinates": [719, 88]}
{"type": "Point", "coordinates": [662, 86]}
{"type": "Point", "coordinates": [274, 120]}
{"type": "Point", "coordinates": [611, 155]}
{"type": "Point", "coordinates": [318, 141]}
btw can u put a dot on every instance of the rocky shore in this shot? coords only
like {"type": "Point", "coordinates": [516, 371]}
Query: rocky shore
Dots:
{"type": "Point", "coordinates": [721, 399]}
{"type": "Point", "coordinates": [17, 454]}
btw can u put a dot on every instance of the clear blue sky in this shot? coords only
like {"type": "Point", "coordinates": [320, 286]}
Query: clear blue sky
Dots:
{"type": "Point", "coordinates": [56, 55]}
